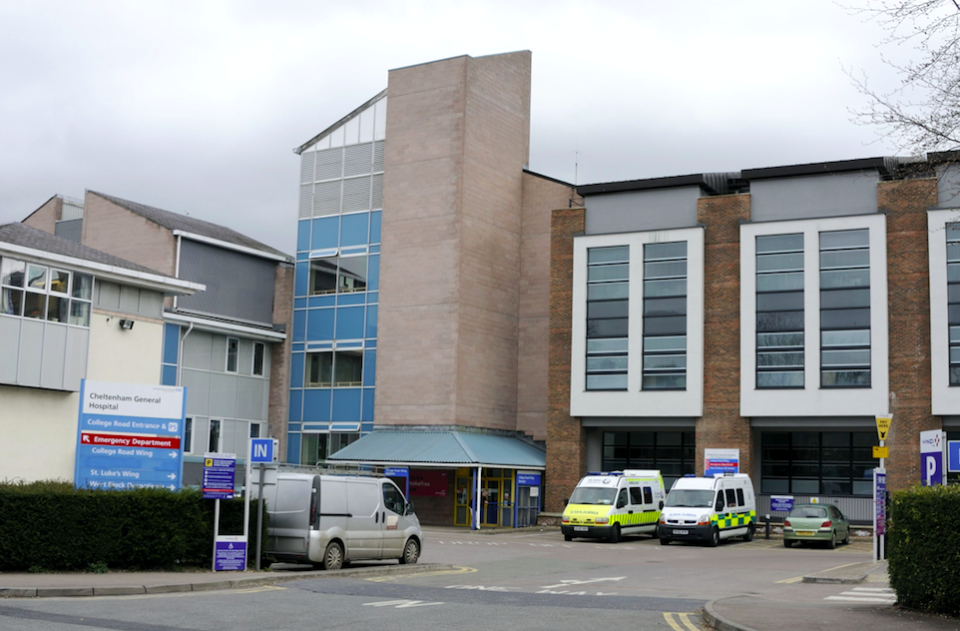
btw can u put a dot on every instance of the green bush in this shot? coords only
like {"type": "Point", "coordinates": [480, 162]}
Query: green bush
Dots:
{"type": "Point", "coordinates": [924, 548]}
{"type": "Point", "coordinates": [50, 526]}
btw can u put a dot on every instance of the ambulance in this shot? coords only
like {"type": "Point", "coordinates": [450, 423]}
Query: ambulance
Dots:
{"type": "Point", "coordinates": [709, 509]}
{"type": "Point", "coordinates": [610, 505]}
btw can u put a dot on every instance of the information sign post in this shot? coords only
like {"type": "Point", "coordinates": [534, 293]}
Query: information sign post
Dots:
{"type": "Point", "coordinates": [219, 473]}
{"type": "Point", "coordinates": [880, 513]}
{"type": "Point", "coordinates": [264, 452]}
{"type": "Point", "coordinates": [933, 445]}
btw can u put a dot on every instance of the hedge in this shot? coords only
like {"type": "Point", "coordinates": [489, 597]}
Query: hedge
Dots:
{"type": "Point", "coordinates": [50, 526]}
{"type": "Point", "coordinates": [924, 548]}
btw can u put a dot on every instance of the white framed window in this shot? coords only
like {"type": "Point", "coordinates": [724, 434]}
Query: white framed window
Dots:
{"type": "Point", "coordinates": [255, 430]}
{"type": "Point", "coordinates": [259, 348]}
{"type": "Point", "coordinates": [213, 436]}
{"type": "Point", "coordinates": [233, 351]}
{"type": "Point", "coordinates": [187, 435]}
{"type": "Point", "coordinates": [35, 291]}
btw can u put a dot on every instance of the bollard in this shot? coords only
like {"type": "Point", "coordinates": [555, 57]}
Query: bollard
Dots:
{"type": "Point", "coordinates": [767, 536]}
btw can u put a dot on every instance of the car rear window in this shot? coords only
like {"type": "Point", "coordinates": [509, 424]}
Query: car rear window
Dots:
{"type": "Point", "coordinates": [808, 511]}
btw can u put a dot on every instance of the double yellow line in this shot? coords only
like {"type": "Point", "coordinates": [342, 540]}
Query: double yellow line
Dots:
{"type": "Point", "coordinates": [683, 618]}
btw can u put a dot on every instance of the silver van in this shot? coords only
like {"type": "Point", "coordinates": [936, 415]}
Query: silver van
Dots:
{"type": "Point", "coordinates": [330, 519]}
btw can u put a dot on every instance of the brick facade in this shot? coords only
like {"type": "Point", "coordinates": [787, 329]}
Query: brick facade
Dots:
{"type": "Point", "coordinates": [566, 439]}
{"type": "Point", "coordinates": [721, 425]}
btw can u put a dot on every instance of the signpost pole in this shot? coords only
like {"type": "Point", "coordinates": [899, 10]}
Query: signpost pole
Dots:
{"type": "Point", "coordinates": [216, 530]}
{"type": "Point", "coordinates": [246, 499]}
{"type": "Point", "coordinates": [263, 467]}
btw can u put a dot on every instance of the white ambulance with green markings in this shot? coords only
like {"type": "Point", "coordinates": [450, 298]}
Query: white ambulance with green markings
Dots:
{"type": "Point", "coordinates": [610, 505]}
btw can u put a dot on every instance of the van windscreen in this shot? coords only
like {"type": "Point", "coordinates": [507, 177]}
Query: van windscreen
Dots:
{"type": "Point", "coordinates": [593, 495]}
{"type": "Point", "coordinates": [690, 498]}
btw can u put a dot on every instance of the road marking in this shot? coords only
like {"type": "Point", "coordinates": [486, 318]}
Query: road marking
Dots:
{"type": "Point", "coordinates": [401, 604]}
{"type": "Point", "coordinates": [795, 579]}
{"type": "Point", "coordinates": [254, 590]}
{"type": "Point", "coordinates": [567, 582]}
{"type": "Point", "coordinates": [456, 570]}
{"type": "Point", "coordinates": [684, 618]}
{"type": "Point", "coordinates": [883, 595]}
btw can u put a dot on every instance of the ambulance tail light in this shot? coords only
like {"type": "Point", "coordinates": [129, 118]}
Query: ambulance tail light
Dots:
{"type": "Point", "coordinates": [826, 524]}
{"type": "Point", "coordinates": [601, 520]}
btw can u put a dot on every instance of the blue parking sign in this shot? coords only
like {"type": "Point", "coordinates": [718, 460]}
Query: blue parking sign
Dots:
{"type": "Point", "coordinates": [953, 456]}
{"type": "Point", "coordinates": [261, 450]}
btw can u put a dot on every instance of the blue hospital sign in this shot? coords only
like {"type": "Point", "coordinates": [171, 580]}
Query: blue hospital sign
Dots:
{"type": "Point", "coordinates": [129, 436]}
{"type": "Point", "coordinates": [261, 450]}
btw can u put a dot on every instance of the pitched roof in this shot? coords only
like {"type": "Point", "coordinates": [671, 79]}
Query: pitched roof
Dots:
{"type": "Point", "coordinates": [442, 447]}
{"type": "Point", "coordinates": [27, 237]}
{"type": "Point", "coordinates": [175, 221]}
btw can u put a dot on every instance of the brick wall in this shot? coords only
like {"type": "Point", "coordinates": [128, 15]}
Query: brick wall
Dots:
{"type": "Point", "coordinates": [566, 439]}
{"type": "Point", "coordinates": [46, 217]}
{"type": "Point", "coordinates": [277, 413]}
{"type": "Point", "coordinates": [721, 425]}
{"type": "Point", "coordinates": [908, 282]}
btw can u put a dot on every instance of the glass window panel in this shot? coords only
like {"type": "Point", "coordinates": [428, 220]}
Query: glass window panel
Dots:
{"type": "Point", "coordinates": [642, 438]}
{"type": "Point", "coordinates": [608, 291]}
{"type": "Point", "coordinates": [59, 281]}
{"type": "Point", "coordinates": [617, 254]}
{"type": "Point", "coordinates": [780, 379]}
{"type": "Point", "coordinates": [775, 486]}
{"type": "Point", "coordinates": [845, 319]}
{"type": "Point", "coordinates": [34, 305]}
{"type": "Point", "coordinates": [233, 349]}
{"type": "Point", "coordinates": [955, 334]}
{"type": "Point", "coordinates": [780, 262]}
{"type": "Point", "coordinates": [779, 340]}
{"type": "Point", "coordinates": [664, 362]}
{"type": "Point", "coordinates": [353, 274]}
{"type": "Point", "coordinates": [780, 321]}
{"type": "Point", "coordinates": [607, 328]}
{"type": "Point", "coordinates": [835, 439]}
{"type": "Point", "coordinates": [780, 243]}
{"type": "Point", "coordinates": [787, 301]}
{"type": "Point", "coordinates": [845, 358]}
{"type": "Point", "coordinates": [664, 326]}
{"type": "Point", "coordinates": [11, 302]}
{"type": "Point", "coordinates": [79, 313]}
{"type": "Point", "coordinates": [953, 232]}
{"type": "Point", "coordinates": [845, 338]}
{"type": "Point", "coordinates": [787, 360]}
{"type": "Point", "coordinates": [953, 292]}
{"type": "Point", "coordinates": [606, 382]}
{"type": "Point", "coordinates": [844, 239]}
{"type": "Point", "coordinates": [658, 288]}
{"type": "Point", "coordinates": [258, 351]}
{"type": "Point", "coordinates": [602, 273]}
{"type": "Point", "coordinates": [955, 376]}
{"type": "Point", "coordinates": [11, 272]}
{"type": "Point", "coordinates": [323, 276]}
{"type": "Point", "coordinates": [842, 279]}
{"type": "Point", "coordinates": [57, 309]}
{"type": "Point", "coordinates": [606, 364]}
{"type": "Point", "coordinates": [608, 309]}
{"type": "Point", "coordinates": [845, 299]}
{"type": "Point", "coordinates": [862, 488]}
{"type": "Point", "coordinates": [659, 251]}
{"type": "Point", "coordinates": [671, 343]}
{"type": "Point", "coordinates": [319, 370]}
{"type": "Point", "coordinates": [668, 269]}
{"type": "Point", "coordinates": [36, 277]}
{"type": "Point", "coordinates": [955, 355]}
{"type": "Point", "coordinates": [835, 487]}
{"type": "Point", "coordinates": [864, 439]}
{"type": "Point", "coordinates": [953, 272]}
{"type": "Point", "coordinates": [953, 314]}
{"type": "Point", "coordinates": [842, 259]}
{"type": "Point", "coordinates": [844, 378]}
{"type": "Point", "coordinates": [82, 286]}
{"type": "Point", "coordinates": [953, 252]}
{"type": "Point", "coordinates": [664, 382]}
{"type": "Point", "coordinates": [780, 282]}
{"type": "Point", "coordinates": [607, 345]}
{"type": "Point", "coordinates": [775, 439]}
{"type": "Point", "coordinates": [348, 368]}
{"type": "Point", "coordinates": [664, 306]}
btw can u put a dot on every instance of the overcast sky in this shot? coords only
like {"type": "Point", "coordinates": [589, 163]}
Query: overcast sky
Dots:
{"type": "Point", "coordinates": [195, 106]}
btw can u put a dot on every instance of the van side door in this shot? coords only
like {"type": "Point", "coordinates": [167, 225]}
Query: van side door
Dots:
{"type": "Point", "coordinates": [290, 517]}
{"type": "Point", "coordinates": [363, 524]}
{"type": "Point", "coordinates": [394, 506]}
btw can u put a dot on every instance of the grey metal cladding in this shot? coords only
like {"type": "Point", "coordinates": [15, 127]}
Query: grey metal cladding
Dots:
{"type": "Point", "coordinates": [356, 194]}
{"type": "Point", "coordinates": [358, 160]}
{"type": "Point", "coordinates": [306, 166]}
{"type": "Point", "coordinates": [10, 341]}
{"type": "Point", "coordinates": [238, 285]}
{"type": "Point", "coordinates": [197, 383]}
{"type": "Point", "coordinates": [378, 156]}
{"type": "Point", "coordinates": [54, 354]}
{"type": "Point", "coordinates": [31, 353]}
{"type": "Point", "coordinates": [329, 164]}
{"type": "Point", "coordinates": [326, 198]}
{"type": "Point", "coordinates": [69, 229]}
{"type": "Point", "coordinates": [812, 196]}
{"type": "Point", "coordinates": [377, 191]}
{"type": "Point", "coordinates": [78, 341]}
{"type": "Point", "coordinates": [126, 299]}
{"type": "Point", "coordinates": [306, 201]}
{"type": "Point", "coordinates": [642, 211]}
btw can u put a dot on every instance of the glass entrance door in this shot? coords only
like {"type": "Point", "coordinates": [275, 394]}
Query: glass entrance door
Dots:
{"type": "Point", "coordinates": [490, 502]}
{"type": "Point", "coordinates": [464, 490]}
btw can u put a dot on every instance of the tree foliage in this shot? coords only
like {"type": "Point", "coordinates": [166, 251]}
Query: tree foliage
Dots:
{"type": "Point", "coordinates": [923, 113]}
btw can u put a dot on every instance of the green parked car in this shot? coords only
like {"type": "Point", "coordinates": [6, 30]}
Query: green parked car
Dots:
{"type": "Point", "coordinates": [823, 523]}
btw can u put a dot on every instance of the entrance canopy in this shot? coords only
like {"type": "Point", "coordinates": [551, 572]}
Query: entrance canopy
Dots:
{"type": "Point", "coordinates": [442, 449]}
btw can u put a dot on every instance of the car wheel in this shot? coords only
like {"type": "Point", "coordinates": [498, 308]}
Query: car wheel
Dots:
{"type": "Point", "coordinates": [714, 538]}
{"type": "Point", "coordinates": [750, 532]}
{"type": "Point", "coordinates": [568, 537]}
{"type": "Point", "coordinates": [615, 536]}
{"type": "Point", "coordinates": [411, 552]}
{"type": "Point", "coordinates": [788, 543]}
{"type": "Point", "coordinates": [333, 557]}
{"type": "Point", "coordinates": [664, 542]}
{"type": "Point", "coordinates": [846, 539]}
{"type": "Point", "coordinates": [832, 544]}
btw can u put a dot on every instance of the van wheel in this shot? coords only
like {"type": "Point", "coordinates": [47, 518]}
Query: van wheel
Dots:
{"type": "Point", "coordinates": [615, 536]}
{"type": "Point", "coordinates": [664, 542]}
{"type": "Point", "coordinates": [714, 538]}
{"type": "Point", "coordinates": [411, 552]}
{"type": "Point", "coordinates": [750, 532]}
{"type": "Point", "coordinates": [333, 557]}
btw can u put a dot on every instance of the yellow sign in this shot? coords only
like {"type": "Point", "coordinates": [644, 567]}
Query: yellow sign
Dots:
{"type": "Point", "coordinates": [208, 462]}
{"type": "Point", "coordinates": [883, 426]}
{"type": "Point", "coordinates": [881, 452]}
